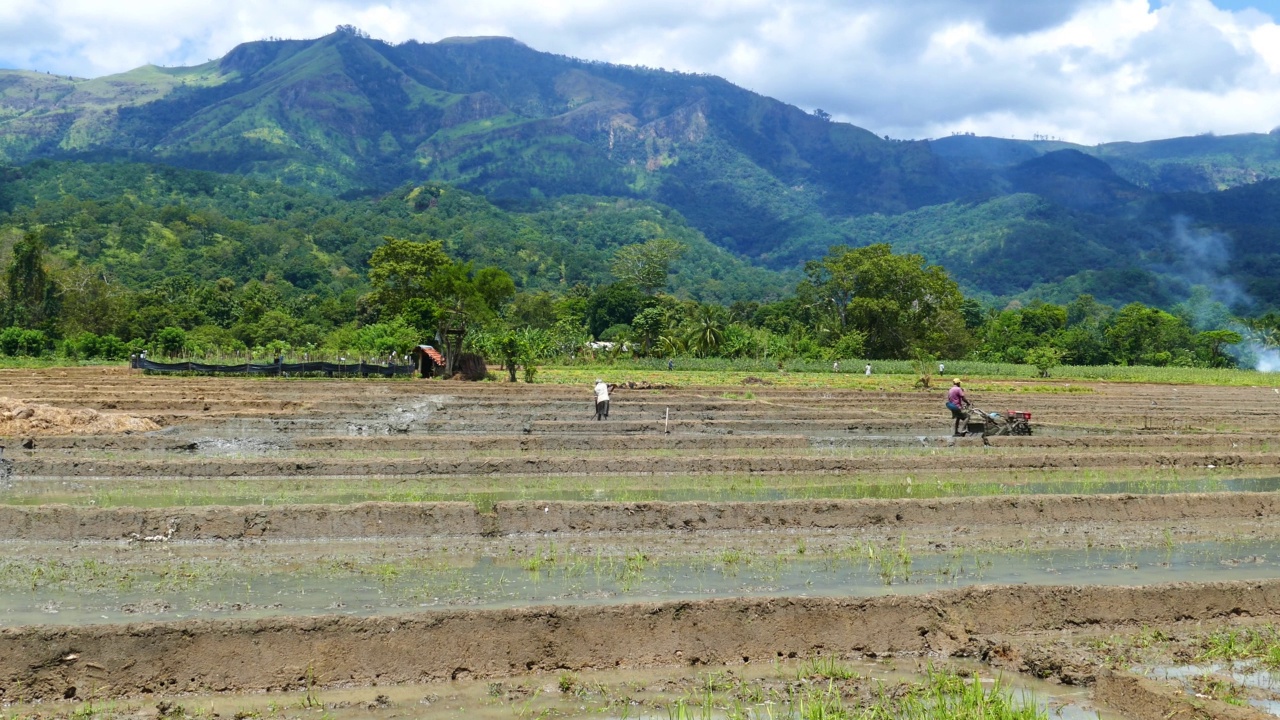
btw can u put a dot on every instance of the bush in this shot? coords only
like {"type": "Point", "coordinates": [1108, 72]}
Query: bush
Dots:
{"type": "Point", "coordinates": [89, 346]}
{"type": "Point", "coordinates": [1045, 358]}
{"type": "Point", "coordinates": [15, 341]}
{"type": "Point", "coordinates": [171, 341]}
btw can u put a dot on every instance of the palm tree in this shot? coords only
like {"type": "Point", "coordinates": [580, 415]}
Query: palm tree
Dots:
{"type": "Point", "coordinates": [708, 331]}
{"type": "Point", "coordinates": [670, 346]}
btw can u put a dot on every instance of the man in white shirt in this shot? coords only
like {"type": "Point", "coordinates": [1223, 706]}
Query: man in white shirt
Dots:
{"type": "Point", "coordinates": [602, 400]}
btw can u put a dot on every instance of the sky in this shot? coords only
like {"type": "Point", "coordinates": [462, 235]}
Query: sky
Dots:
{"type": "Point", "coordinates": [1086, 71]}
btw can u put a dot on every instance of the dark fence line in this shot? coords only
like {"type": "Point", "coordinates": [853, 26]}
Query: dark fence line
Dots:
{"type": "Point", "coordinates": [328, 369]}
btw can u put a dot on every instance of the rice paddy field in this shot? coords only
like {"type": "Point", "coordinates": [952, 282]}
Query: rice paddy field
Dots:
{"type": "Point", "coordinates": [722, 546]}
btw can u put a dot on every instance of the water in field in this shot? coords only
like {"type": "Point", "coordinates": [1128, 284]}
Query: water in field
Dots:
{"type": "Point", "coordinates": [112, 583]}
{"type": "Point", "coordinates": [1258, 687]}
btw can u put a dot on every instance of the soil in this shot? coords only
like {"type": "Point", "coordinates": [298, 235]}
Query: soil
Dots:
{"type": "Point", "coordinates": [938, 517]}
{"type": "Point", "coordinates": [251, 431]}
{"type": "Point", "coordinates": [20, 418]}
{"type": "Point", "coordinates": [48, 662]}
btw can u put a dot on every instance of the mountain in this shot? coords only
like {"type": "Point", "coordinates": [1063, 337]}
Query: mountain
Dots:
{"type": "Point", "coordinates": [534, 134]}
{"type": "Point", "coordinates": [346, 112]}
{"type": "Point", "coordinates": [1201, 163]}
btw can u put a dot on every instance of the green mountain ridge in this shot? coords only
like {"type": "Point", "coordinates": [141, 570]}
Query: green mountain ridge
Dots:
{"type": "Point", "coordinates": [747, 176]}
{"type": "Point", "coordinates": [346, 112]}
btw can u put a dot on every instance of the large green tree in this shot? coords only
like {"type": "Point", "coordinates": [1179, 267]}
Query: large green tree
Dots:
{"type": "Point", "coordinates": [32, 297]}
{"type": "Point", "coordinates": [402, 271]}
{"type": "Point", "coordinates": [900, 303]}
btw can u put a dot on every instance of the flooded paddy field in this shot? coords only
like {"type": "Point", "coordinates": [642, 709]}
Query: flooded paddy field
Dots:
{"type": "Point", "coordinates": [44, 583]}
{"type": "Point", "coordinates": [278, 548]}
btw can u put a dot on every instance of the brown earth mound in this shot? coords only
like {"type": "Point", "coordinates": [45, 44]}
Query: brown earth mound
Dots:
{"type": "Point", "coordinates": [18, 417]}
{"type": "Point", "coordinates": [96, 661]}
{"type": "Point", "coordinates": [379, 519]}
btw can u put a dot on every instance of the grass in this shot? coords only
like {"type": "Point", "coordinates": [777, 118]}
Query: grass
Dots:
{"type": "Point", "coordinates": [1261, 644]}
{"type": "Point", "coordinates": [886, 374]}
{"type": "Point", "coordinates": [828, 691]}
{"type": "Point", "coordinates": [897, 375]}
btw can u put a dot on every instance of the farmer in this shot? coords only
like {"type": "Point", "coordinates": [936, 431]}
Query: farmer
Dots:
{"type": "Point", "coordinates": [956, 403]}
{"type": "Point", "coordinates": [602, 400]}
{"type": "Point", "coordinates": [868, 372]}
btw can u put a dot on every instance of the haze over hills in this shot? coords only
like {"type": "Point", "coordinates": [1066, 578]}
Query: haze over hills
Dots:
{"type": "Point", "coordinates": [349, 114]}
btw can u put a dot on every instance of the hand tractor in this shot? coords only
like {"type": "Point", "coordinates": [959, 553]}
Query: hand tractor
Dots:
{"type": "Point", "coordinates": [1010, 422]}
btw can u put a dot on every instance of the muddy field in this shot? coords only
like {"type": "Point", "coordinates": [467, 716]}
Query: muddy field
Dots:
{"type": "Point", "coordinates": [175, 546]}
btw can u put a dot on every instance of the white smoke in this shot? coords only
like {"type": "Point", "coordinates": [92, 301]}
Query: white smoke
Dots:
{"type": "Point", "coordinates": [1268, 360]}
{"type": "Point", "coordinates": [1206, 260]}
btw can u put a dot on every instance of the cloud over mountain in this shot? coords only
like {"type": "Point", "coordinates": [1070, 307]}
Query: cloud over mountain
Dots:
{"type": "Point", "coordinates": [1085, 70]}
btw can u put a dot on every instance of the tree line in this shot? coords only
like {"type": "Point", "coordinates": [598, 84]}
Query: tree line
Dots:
{"type": "Point", "coordinates": [99, 262]}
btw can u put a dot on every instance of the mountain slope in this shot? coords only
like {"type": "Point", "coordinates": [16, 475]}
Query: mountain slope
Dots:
{"type": "Point", "coordinates": [345, 112]}
{"type": "Point", "coordinates": [143, 225]}
{"type": "Point", "coordinates": [1201, 163]}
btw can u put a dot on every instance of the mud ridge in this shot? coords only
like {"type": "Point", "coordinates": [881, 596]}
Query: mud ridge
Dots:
{"type": "Point", "coordinates": [381, 519]}
{"type": "Point", "coordinates": [1140, 698]}
{"type": "Point", "coordinates": [205, 467]}
{"type": "Point", "coordinates": [47, 662]}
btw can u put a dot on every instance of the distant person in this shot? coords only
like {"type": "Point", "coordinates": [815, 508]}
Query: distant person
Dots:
{"type": "Point", "coordinates": [942, 368]}
{"type": "Point", "coordinates": [957, 403]}
{"type": "Point", "coordinates": [835, 366]}
{"type": "Point", "coordinates": [602, 400]}
{"type": "Point", "coordinates": [868, 373]}
{"type": "Point", "coordinates": [671, 364]}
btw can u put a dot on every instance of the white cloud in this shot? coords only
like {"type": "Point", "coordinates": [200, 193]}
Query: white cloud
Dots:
{"type": "Point", "coordinates": [1086, 70]}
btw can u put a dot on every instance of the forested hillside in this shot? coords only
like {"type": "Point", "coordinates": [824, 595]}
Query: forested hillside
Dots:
{"type": "Point", "coordinates": [346, 112]}
{"type": "Point", "coordinates": [543, 165]}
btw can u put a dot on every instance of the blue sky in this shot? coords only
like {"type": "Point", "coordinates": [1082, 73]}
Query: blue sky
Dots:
{"type": "Point", "coordinates": [1083, 70]}
{"type": "Point", "coordinates": [1270, 7]}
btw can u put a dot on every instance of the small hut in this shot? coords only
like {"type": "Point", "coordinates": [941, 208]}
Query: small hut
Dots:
{"type": "Point", "coordinates": [427, 360]}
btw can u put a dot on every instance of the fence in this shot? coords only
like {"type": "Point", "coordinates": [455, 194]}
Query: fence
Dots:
{"type": "Point", "coordinates": [327, 369]}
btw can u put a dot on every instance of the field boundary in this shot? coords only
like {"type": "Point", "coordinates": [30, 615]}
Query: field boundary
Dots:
{"type": "Point", "coordinates": [384, 519]}
{"type": "Point", "coordinates": [99, 661]}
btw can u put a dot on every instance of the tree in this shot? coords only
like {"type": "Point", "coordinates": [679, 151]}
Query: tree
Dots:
{"type": "Point", "coordinates": [495, 287]}
{"type": "Point", "coordinates": [402, 270]}
{"type": "Point", "coordinates": [1147, 336]}
{"type": "Point", "coordinates": [615, 304]}
{"type": "Point", "coordinates": [899, 303]}
{"type": "Point", "coordinates": [418, 283]}
{"type": "Point", "coordinates": [707, 331]}
{"type": "Point", "coordinates": [171, 341]}
{"type": "Point", "coordinates": [646, 265]}
{"type": "Point", "coordinates": [513, 352]}
{"type": "Point", "coordinates": [649, 325]}
{"type": "Point", "coordinates": [32, 296]}
{"type": "Point", "coordinates": [1212, 342]}
{"type": "Point", "coordinates": [1045, 358]}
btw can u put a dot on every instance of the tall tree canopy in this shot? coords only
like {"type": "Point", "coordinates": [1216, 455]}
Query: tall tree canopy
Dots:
{"type": "Point", "coordinates": [902, 305]}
